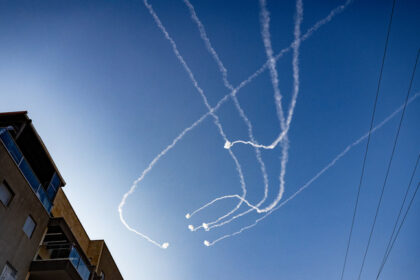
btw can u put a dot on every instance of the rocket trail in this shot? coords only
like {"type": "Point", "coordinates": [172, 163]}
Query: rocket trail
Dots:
{"type": "Point", "coordinates": [295, 66]}
{"type": "Point", "coordinates": [216, 121]}
{"type": "Point", "coordinates": [334, 12]}
{"type": "Point", "coordinates": [180, 136]}
{"type": "Point", "coordinates": [228, 85]}
{"type": "Point", "coordinates": [265, 19]}
{"type": "Point", "coordinates": [308, 33]}
{"type": "Point", "coordinates": [321, 172]}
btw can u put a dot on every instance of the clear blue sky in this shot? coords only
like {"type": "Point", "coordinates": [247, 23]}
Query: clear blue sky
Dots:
{"type": "Point", "coordinates": [107, 94]}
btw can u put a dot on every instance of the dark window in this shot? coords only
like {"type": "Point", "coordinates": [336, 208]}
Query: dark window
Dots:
{"type": "Point", "coordinates": [29, 226]}
{"type": "Point", "coordinates": [9, 273]}
{"type": "Point", "coordinates": [6, 194]}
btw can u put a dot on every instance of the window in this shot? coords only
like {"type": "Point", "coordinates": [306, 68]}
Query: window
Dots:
{"type": "Point", "coordinates": [29, 227]}
{"type": "Point", "coordinates": [6, 193]}
{"type": "Point", "coordinates": [9, 273]}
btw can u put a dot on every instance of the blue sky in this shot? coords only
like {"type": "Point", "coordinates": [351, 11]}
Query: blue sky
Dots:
{"type": "Point", "coordinates": [107, 94]}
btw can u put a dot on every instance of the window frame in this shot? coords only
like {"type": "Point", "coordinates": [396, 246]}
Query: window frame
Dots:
{"type": "Point", "coordinates": [11, 268]}
{"type": "Point", "coordinates": [12, 193]}
{"type": "Point", "coordinates": [33, 230]}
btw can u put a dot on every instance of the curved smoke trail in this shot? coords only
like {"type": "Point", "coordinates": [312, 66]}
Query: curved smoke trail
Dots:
{"type": "Point", "coordinates": [322, 171]}
{"type": "Point", "coordinates": [334, 12]}
{"type": "Point", "coordinates": [228, 85]}
{"type": "Point", "coordinates": [308, 33]}
{"type": "Point", "coordinates": [295, 66]}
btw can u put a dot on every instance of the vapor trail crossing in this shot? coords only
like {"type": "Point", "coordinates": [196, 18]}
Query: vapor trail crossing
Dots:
{"type": "Point", "coordinates": [321, 172]}
{"type": "Point", "coordinates": [295, 66]}
{"type": "Point", "coordinates": [228, 85]}
{"type": "Point", "coordinates": [242, 114]}
{"type": "Point", "coordinates": [211, 111]}
{"type": "Point", "coordinates": [334, 12]}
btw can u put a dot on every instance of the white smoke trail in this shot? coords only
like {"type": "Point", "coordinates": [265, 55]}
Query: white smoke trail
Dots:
{"type": "Point", "coordinates": [203, 96]}
{"type": "Point", "coordinates": [322, 171]}
{"type": "Point", "coordinates": [308, 33]}
{"type": "Point", "coordinates": [265, 20]}
{"type": "Point", "coordinates": [295, 66]}
{"type": "Point", "coordinates": [144, 173]}
{"type": "Point", "coordinates": [180, 136]}
{"type": "Point", "coordinates": [216, 121]}
{"type": "Point", "coordinates": [228, 85]}
{"type": "Point", "coordinates": [265, 33]}
{"type": "Point", "coordinates": [336, 11]}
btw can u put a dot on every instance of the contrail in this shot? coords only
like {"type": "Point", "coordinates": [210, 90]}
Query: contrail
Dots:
{"type": "Point", "coordinates": [144, 173]}
{"type": "Point", "coordinates": [322, 171]}
{"type": "Point", "coordinates": [216, 121]}
{"type": "Point", "coordinates": [203, 96]}
{"type": "Point", "coordinates": [295, 66]}
{"type": "Point", "coordinates": [180, 136]}
{"type": "Point", "coordinates": [265, 19]}
{"type": "Point", "coordinates": [308, 33]}
{"type": "Point", "coordinates": [228, 85]}
{"type": "Point", "coordinates": [265, 33]}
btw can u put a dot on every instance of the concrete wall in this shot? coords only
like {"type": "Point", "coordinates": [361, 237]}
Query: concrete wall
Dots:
{"type": "Point", "coordinates": [107, 265]}
{"type": "Point", "coordinates": [15, 247]}
{"type": "Point", "coordinates": [96, 250]}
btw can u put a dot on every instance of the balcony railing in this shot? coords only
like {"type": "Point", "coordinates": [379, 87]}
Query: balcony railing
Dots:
{"type": "Point", "coordinates": [44, 196]}
{"type": "Point", "coordinates": [70, 253]}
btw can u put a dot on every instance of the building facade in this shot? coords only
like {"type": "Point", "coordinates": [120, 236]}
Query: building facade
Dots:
{"type": "Point", "coordinates": [41, 237]}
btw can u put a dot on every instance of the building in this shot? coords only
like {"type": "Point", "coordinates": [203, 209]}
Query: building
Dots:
{"type": "Point", "coordinates": [41, 237]}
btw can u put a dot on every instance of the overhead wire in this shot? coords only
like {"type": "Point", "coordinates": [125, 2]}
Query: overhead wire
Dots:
{"type": "Point", "coordinates": [389, 167]}
{"type": "Point", "coordinates": [368, 141]}
{"type": "Point", "coordinates": [392, 238]}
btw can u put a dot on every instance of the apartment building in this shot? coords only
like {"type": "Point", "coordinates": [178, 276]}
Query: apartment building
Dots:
{"type": "Point", "coordinates": [41, 237]}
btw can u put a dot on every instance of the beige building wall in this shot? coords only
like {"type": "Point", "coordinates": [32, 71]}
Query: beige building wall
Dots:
{"type": "Point", "coordinates": [96, 250]}
{"type": "Point", "coordinates": [15, 247]}
{"type": "Point", "coordinates": [62, 208]}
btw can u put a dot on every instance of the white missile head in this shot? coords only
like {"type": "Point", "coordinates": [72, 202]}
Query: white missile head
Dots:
{"type": "Point", "coordinates": [206, 226]}
{"type": "Point", "coordinates": [206, 243]}
{"type": "Point", "coordinates": [187, 216]}
{"type": "Point", "coordinates": [227, 144]}
{"type": "Point", "coordinates": [165, 245]}
{"type": "Point", "coordinates": [191, 227]}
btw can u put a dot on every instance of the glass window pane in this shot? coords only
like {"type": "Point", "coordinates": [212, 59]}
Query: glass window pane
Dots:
{"type": "Point", "coordinates": [9, 273]}
{"type": "Point", "coordinates": [5, 194]}
{"type": "Point", "coordinates": [55, 181]}
{"type": "Point", "coordinates": [29, 226]}
{"type": "Point", "coordinates": [44, 199]}
{"type": "Point", "coordinates": [83, 270]}
{"type": "Point", "coordinates": [51, 191]}
{"type": "Point", "coordinates": [29, 175]}
{"type": "Point", "coordinates": [10, 145]}
{"type": "Point", "coordinates": [74, 257]}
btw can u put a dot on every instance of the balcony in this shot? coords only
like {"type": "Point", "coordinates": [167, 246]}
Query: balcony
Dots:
{"type": "Point", "coordinates": [60, 256]}
{"type": "Point", "coordinates": [65, 262]}
{"type": "Point", "coordinates": [45, 195]}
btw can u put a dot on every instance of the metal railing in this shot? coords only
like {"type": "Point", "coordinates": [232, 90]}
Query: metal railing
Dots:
{"type": "Point", "coordinates": [69, 252]}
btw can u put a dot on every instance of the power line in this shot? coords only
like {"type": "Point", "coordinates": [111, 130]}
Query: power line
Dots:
{"type": "Point", "coordinates": [399, 229]}
{"type": "Point", "coordinates": [389, 167]}
{"type": "Point", "coordinates": [392, 238]}
{"type": "Point", "coordinates": [368, 140]}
